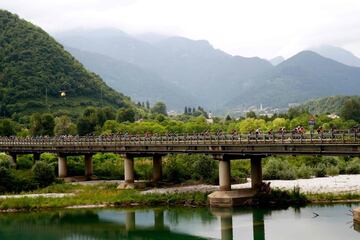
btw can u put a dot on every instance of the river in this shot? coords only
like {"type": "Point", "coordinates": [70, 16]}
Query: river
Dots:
{"type": "Point", "coordinates": [330, 222]}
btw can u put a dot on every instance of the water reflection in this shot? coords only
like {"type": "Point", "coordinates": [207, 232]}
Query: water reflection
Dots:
{"type": "Point", "coordinates": [179, 223]}
{"type": "Point", "coordinates": [226, 222]}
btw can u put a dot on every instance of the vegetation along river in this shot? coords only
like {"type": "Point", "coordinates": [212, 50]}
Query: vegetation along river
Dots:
{"type": "Point", "coordinates": [311, 222]}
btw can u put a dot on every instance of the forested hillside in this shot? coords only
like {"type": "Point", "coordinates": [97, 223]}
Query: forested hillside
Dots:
{"type": "Point", "coordinates": [327, 105]}
{"type": "Point", "coordinates": [37, 74]}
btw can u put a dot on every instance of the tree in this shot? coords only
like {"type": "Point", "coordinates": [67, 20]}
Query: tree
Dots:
{"type": "Point", "coordinates": [64, 126]}
{"type": "Point", "coordinates": [147, 105]}
{"type": "Point", "coordinates": [228, 118]}
{"type": "Point", "coordinates": [159, 108]}
{"type": "Point", "coordinates": [125, 115]}
{"type": "Point", "coordinates": [48, 124]}
{"type": "Point", "coordinates": [42, 124]}
{"type": "Point", "coordinates": [351, 110]}
{"type": "Point", "coordinates": [43, 173]}
{"type": "Point", "coordinates": [251, 114]}
{"type": "Point", "coordinates": [186, 110]}
{"type": "Point", "coordinates": [7, 127]}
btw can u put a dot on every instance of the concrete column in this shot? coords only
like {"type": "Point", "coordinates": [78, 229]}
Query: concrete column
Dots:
{"type": "Point", "coordinates": [256, 172]}
{"type": "Point", "coordinates": [226, 228]}
{"type": "Point", "coordinates": [224, 175]}
{"type": "Point", "coordinates": [36, 157]}
{"type": "Point", "coordinates": [157, 168]}
{"type": "Point", "coordinates": [62, 166]}
{"type": "Point", "coordinates": [258, 225]}
{"type": "Point", "coordinates": [129, 169]}
{"type": "Point", "coordinates": [130, 221]}
{"type": "Point", "coordinates": [88, 165]}
{"type": "Point", "coordinates": [159, 219]}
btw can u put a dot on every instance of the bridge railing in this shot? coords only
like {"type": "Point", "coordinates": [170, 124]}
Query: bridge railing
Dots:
{"type": "Point", "coordinates": [183, 139]}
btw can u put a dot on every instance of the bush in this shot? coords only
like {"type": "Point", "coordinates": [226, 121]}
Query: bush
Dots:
{"type": "Point", "coordinates": [353, 166]}
{"type": "Point", "coordinates": [320, 170]}
{"type": "Point", "coordinates": [304, 172]}
{"type": "Point", "coordinates": [279, 169]}
{"type": "Point", "coordinates": [240, 170]}
{"type": "Point", "coordinates": [6, 179]}
{"type": "Point", "coordinates": [204, 168]}
{"type": "Point", "coordinates": [174, 170]}
{"type": "Point", "coordinates": [180, 168]}
{"type": "Point", "coordinates": [44, 174]}
{"type": "Point", "coordinates": [108, 166]}
{"type": "Point", "coordinates": [332, 171]}
{"type": "Point", "coordinates": [143, 169]}
{"type": "Point", "coordinates": [5, 161]}
{"type": "Point", "coordinates": [24, 162]}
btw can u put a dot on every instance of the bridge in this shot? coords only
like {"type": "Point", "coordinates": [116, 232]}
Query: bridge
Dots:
{"type": "Point", "coordinates": [223, 147]}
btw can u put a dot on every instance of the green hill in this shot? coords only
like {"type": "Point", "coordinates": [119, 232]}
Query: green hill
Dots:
{"type": "Point", "coordinates": [35, 69]}
{"type": "Point", "coordinates": [333, 104]}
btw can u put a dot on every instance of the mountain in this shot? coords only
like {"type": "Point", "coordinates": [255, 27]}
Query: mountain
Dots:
{"type": "Point", "coordinates": [210, 75]}
{"type": "Point", "coordinates": [276, 60]}
{"type": "Point", "coordinates": [338, 54]}
{"type": "Point", "coordinates": [35, 69]}
{"type": "Point", "coordinates": [326, 105]}
{"type": "Point", "coordinates": [304, 76]}
{"type": "Point", "coordinates": [140, 84]}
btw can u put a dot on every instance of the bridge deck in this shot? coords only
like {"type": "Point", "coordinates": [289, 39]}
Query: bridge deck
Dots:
{"type": "Point", "coordinates": [239, 145]}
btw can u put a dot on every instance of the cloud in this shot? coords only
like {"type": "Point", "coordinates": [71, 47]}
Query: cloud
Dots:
{"type": "Point", "coordinates": [257, 27]}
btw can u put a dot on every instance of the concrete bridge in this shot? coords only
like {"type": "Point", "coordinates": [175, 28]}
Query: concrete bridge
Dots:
{"type": "Point", "coordinates": [223, 148]}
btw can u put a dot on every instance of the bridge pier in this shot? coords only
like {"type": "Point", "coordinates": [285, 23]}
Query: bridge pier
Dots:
{"type": "Point", "coordinates": [88, 165]}
{"type": "Point", "coordinates": [256, 172]}
{"type": "Point", "coordinates": [224, 175]}
{"type": "Point", "coordinates": [62, 166]}
{"type": "Point", "coordinates": [129, 171]}
{"type": "Point", "coordinates": [157, 168]}
{"type": "Point", "coordinates": [226, 197]}
{"type": "Point", "coordinates": [130, 220]}
{"type": "Point", "coordinates": [159, 219]}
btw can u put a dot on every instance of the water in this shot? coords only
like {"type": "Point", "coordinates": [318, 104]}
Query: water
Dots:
{"type": "Point", "coordinates": [333, 222]}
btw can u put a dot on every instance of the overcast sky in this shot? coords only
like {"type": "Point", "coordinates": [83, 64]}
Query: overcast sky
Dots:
{"type": "Point", "coordinates": [241, 27]}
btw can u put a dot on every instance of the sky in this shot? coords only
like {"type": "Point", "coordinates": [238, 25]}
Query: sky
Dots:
{"type": "Point", "coordinates": [248, 28]}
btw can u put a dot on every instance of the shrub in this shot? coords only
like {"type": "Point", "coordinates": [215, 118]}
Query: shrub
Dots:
{"type": "Point", "coordinates": [6, 179]}
{"type": "Point", "coordinates": [180, 168]}
{"type": "Point", "coordinates": [43, 173]}
{"type": "Point", "coordinates": [279, 169]}
{"type": "Point", "coordinates": [240, 170]}
{"type": "Point", "coordinates": [5, 161]}
{"type": "Point", "coordinates": [24, 162]}
{"type": "Point", "coordinates": [143, 169]}
{"type": "Point", "coordinates": [204, 168]}
{"type": "Point", "coordinates": [332, 171]}
{"type": "Point", "coordinates": [353, 166]}
{"type": "Point", "coordinates": [174, 170]}
{"type": "Point", "coordinates": [304, 171]}
{"type": "Point", "coordinates": [320, 170]}
{"type": "Point", "coordinates": [108, 165]}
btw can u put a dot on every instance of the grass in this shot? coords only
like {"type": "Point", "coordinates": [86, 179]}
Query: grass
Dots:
{"type": "Point", "coordinates": [100, 194]}
{"type": "Point", "coordinates": [108, 194]}
{"type": "Point", "coordinates": [333, 197]}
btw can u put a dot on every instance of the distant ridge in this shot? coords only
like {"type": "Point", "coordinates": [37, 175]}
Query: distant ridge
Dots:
{"type": "Point", "coordinates": [338, 54]}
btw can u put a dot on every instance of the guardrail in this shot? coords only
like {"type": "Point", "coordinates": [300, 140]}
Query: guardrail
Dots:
{"type": "Point", "coordinates": [186, 139]}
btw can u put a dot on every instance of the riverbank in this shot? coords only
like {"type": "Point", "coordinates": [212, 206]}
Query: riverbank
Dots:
{"type": "Point", "coordinates": [343, 188]}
